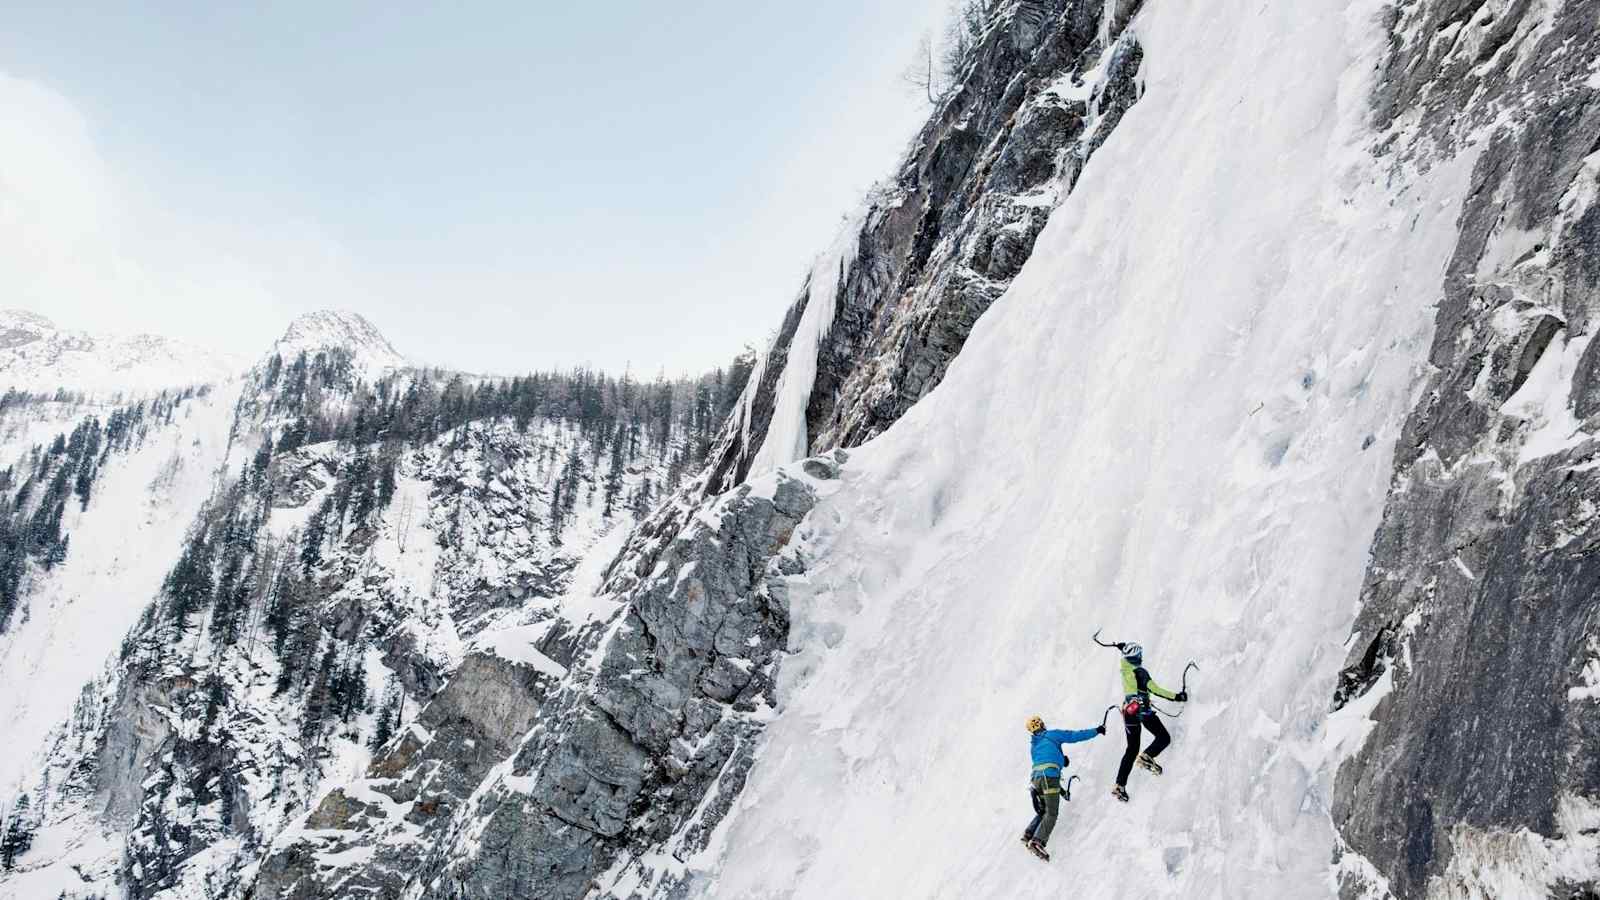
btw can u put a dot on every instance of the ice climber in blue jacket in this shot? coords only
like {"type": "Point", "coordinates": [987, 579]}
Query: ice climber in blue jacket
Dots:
{"type": "Point", "coordinates": [1049, 762]}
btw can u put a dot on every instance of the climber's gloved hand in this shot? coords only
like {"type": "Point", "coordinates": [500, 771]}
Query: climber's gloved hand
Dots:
{"type": "Point", "coordinates": [1183, 696]}
{"type": "Point", "coordinates": [1100, 729]}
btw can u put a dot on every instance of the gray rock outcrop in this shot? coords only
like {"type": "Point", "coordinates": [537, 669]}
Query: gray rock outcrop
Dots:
{"type": "Point", "coordinates": [1478, 608]}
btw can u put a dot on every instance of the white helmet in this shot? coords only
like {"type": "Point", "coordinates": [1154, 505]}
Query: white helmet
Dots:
{"type": "Point", "coordinates": [1132, 652]}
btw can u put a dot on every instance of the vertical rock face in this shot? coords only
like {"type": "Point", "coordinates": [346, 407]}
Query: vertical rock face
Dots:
{"type": "Point", "coordinates": [417, 784]}
{"type": "Point", "coordinates": [1474, 652]}
{"type": "Point", "coordinates": [654, 739]}
{"type": "Point", "coordinates": [939, 243]}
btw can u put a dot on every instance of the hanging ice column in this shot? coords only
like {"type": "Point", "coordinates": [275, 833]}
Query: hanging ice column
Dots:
{"type": "Point", "coordinates": [787, 436]}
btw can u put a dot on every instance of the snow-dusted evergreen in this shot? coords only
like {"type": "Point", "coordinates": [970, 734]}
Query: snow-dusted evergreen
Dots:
{"type": "Point", "coordinates": [1256, 333]}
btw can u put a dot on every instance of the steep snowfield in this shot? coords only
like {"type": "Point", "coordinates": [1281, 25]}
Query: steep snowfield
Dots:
{"type": "Point", "coordinates": [1178, 425]}
{"type": "Point", "coordinates": [122, 548]}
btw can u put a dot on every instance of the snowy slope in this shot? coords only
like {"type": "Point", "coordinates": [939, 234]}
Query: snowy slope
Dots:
{"type": "Point", "coordinates": [1178, 424]}
{"type": "Point", "coordinates": [37, 356]}
{"type": "Point", "coordinates": [122, 547]}
{"type": "Point", "coordinates": [35, 424]}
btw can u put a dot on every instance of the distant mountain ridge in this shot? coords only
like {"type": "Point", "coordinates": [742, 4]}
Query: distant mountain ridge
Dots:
{"type": "Point", "coordinates": [36, 355]}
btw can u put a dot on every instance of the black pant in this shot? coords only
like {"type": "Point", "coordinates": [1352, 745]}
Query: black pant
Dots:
{"type": "Point", "coordinates": [1131, 726]}
{"type": "Point", "coordinates": [1046, 793]}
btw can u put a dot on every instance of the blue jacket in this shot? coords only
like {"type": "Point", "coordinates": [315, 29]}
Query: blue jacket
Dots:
{"type": "Point", "coordinates": [1048, 757]}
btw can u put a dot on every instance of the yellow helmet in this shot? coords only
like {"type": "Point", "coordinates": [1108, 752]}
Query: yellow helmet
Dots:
{"type": "Point", "coordinates": [1035, 724]}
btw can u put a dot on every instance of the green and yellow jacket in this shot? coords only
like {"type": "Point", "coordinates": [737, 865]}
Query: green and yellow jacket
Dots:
{"type": "Point", "coordinates": [1136, 682]}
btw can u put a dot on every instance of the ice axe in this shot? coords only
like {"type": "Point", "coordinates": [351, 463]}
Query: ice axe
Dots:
{"type": "Point", "coordinates": [1107, 716]}
{"type": "Point", "coordinates": [1066, 789]}
{"type": "Point", "coordinates": [1179, 714]}
{"type": "Point", "coordinates": [1114, 646]}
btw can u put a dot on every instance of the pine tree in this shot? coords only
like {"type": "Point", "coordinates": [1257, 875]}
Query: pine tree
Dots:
{"type": "Point", "coordinates": [18, 834]}
{"type": "Point", "coordinates": [614, 476]}
{"type": "Point", "coordinates": [643, 497]}
{"type": "Point", "coordinates": [57, 554]}
{"type": "Point", "coordinates": [274, 369]}
{"type": "Point", "coordinates": [319, 699]}
{"type": "Point", "coordinates": [279, 619]}
{"type": "Point", "coordinates": [85, 482]}
{"type": "Point", "coordinates": [189, 585]}
{"type": "Point", "coordinates": [388, 716]}
{"type": "Point", "coordinates": [387, 479]}
{"type": "Point", "coordinates": [557, 517]}
{"type": "Point", "coordinates": [263, 457]}
{"type": "Point", "coordinates": [300, 650]}
{"type": "Point", "coordinates": [353, 689]}
{"type": "Point", "coordinates": [11, 571]}
{"type": "Point", "coordinates": [225, 613]}
{"type": "Point", "coordinates": [294, 436]}
{"type": "Point", "coordinates": [676, 468]}
{"type": "Point", "coordinates": [362, 488]}
{"type": "Point", "coordinates": [311, 542]}
{"type": "Point", "coordinates": [44, 529]}
{"type": "Point", "coordinates": [216, 696]}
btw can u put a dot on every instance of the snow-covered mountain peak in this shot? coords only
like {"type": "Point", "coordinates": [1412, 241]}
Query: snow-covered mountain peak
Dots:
{"type": "Point", "coordinates": [21, 319]}
{"type": "Point", "coordinates": [36, 355]}
{"type": "Point", "coordinates": [340, 330]}
{"type": "Point", "coordinates": [19, 327]}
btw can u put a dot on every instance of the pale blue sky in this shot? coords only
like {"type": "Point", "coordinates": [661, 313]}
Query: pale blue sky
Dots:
{"type": "Point", "coordinates": [498, 186]}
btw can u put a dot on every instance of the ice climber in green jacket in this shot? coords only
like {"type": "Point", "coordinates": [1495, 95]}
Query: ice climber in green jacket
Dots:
{"type": "Point", "coordinates": [1138, 714]}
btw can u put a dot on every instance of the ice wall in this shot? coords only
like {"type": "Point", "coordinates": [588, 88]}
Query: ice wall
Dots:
{"type": "Point", "coordinates": [1178, 424]}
